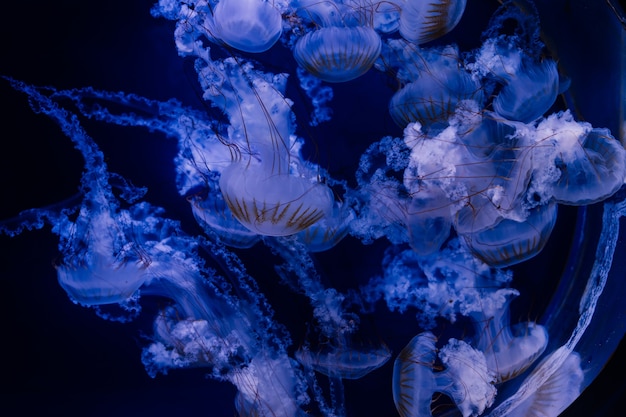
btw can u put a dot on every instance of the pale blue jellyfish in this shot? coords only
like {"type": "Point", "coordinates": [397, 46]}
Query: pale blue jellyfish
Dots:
{"type": "Point", "coordinates": [343, 46]}
{"type": "Point", "coordinates": [424, 21]}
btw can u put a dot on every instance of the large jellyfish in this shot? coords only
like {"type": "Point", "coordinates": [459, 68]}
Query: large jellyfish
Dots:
{"type": "Point", "coordinates": [300, 207]}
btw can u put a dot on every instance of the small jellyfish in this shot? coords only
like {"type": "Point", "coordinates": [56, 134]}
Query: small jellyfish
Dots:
{"type": "Point", "coordinates": [100, 268]}
{"type": "Point", "coordinates": [247, 25]}
{"type": "Point", "coordinates": [343, 358]}
{"type": "Point", "coordinates": [466, 379]}
{"type": "Point", "coordinates": [530, 91]}
{"type": "Point", "coordinates": [434, 96]}
{"type": "Point", "coordinates": [558, 391]}
{"type": "Point", "coordinates": [423, 21]}
{"type": "Point", "coordinates": [338, 54]}
{"type": "Point", "coordinates": [510, 241]}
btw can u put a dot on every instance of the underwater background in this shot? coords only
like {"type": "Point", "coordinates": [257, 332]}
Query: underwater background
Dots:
{"type": "Point", "coordinates": [62, 359]}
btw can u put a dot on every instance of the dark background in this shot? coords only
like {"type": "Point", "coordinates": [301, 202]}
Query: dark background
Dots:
{"type": "Point", "coordinates": [60, 359]}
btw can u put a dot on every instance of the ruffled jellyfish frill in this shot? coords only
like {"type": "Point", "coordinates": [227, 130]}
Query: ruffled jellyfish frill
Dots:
{"type": "Point", "coordinates": [466, 379]}
{"type": "Point", "coordinates": [590, 164]}
{"type": "Point", "coordinates": [338, 54]}
{"type": "Point", "coordinates": [423, 21]}
{"type": "Point", "coordinates": [247, 25]}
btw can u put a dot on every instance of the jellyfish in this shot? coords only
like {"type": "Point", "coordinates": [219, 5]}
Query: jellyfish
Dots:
{"type": "Point", "coordinates": [465, 379]}
{"type": "Point", "coordinates": [267, 186]}
{"type": "Point", "coordinates": [231, 338]}
{"type": "Point", "coordinates": [424, 21]}
{"type": "Point", "coordinates": [529, 92]}
{"type": "Point", "coordinates": [102, 262]}
{"type": "Point", "coordinates": [576, 163]}
{"type": "Point", "coordinates": [435, 90]}
{"type": "Point", "coordinates": [343, 359]}
{"type": "Point", "coordinates": [342, 49]}
{"type": "Point", "coordinates": [509, 241]}
{"type": "Point", "coordinates": [250, 26]}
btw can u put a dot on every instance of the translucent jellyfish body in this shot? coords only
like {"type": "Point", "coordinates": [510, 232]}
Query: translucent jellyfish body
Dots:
{"type": "Point", "coordinates": [529, 92]}
{"type": "Point", "coordinates": [273, 204]}
{"type": "Point", "coordinates": [576, 163]}
{"type": "Point", "coordinates": [472, 159]}
{"type": "Point", "coordinates": [106, 271]}
{"type": "Point", "coordinates": [424, 21]}
{"type": "Point", "coordinates": [344, 360]}
{"type": "Point", "coordinates": [509, 241]}
{"type": "Point", "coordinates": [466, 379]}
{"type": "Point", "coordinates": [433, 97]}
{"type": "Point", "coordinates": [509, 350]}
{"type": "Point", "coordinates": [248, 25]}
{"type": "Point", "coordinates": [338, 54]}
{"type": "Point", "coordinates": [213, 214]}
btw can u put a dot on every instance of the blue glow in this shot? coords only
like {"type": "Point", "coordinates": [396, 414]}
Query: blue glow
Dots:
{"type": "Point", "coordinates": [298, 247]}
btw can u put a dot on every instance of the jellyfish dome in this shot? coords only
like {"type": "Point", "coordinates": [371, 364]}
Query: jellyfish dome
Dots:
{"type": "Point", "coordinates": [343, 46]}
{"type": "Point", "coordinates": [250, 26]}
{"type": "Point", "coordinates": [328, 208]}
{"type": "Point", "coordinates": [338, 54]}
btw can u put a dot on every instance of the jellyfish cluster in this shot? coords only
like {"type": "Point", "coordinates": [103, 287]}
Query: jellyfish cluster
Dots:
{"type": "Point", "coordinates": [465, 193]}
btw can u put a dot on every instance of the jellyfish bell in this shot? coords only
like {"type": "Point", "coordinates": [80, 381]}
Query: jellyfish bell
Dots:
{"type": "Point", "coordinates": [597, 173]}
{"type": "Point", "coordinates": [509, 241]}
{"type": "Point", "coordinates": [328, 231]}
{"type": "Point", "coordinates": [266, 387]}
{"type": "Point", "coordinates": [98, 270]}
{"type": "Point", "coordinates": [433, 97]}
{"type": "Point", "coordinates": [424, 21]}
{"type": "Point", "coordinates": [247, 25]}
{"type": "Point", "coordinates": [578, 164]}
{"type": "Point", "coordinates": [529, 92]}
{"type": "Point", "coordinates": [338, 54]}
{"type": "Point", "coordinates": [557, 392]}
{"type": "Point", "coordinates": [274, 205]}
{"type": "Point", "coordinates": [344, 358]}
{"type": "Point", "coordinates": [428, 220]}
